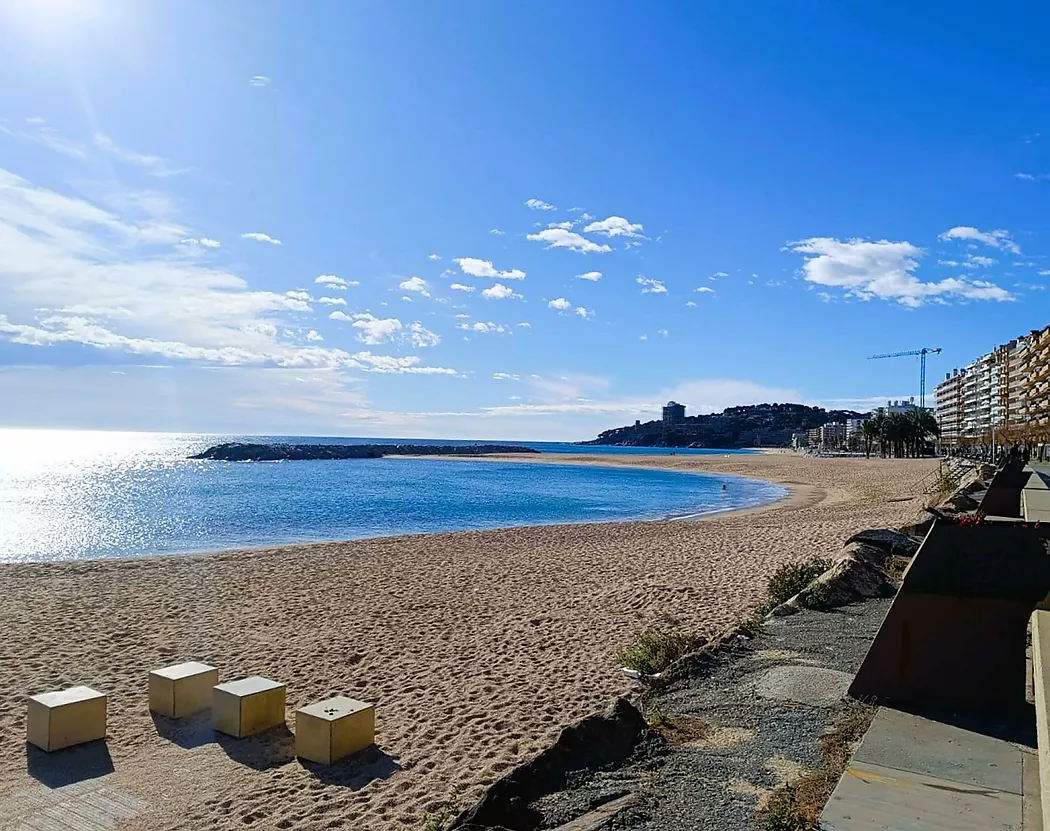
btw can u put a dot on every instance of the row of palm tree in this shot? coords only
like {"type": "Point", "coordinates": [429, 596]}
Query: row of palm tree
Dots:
{"type": "Point", "coordinates": [900, 434]}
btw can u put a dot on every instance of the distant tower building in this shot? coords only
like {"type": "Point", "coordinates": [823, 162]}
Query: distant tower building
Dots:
{"type": "Point", "coordinates": [674, 414]}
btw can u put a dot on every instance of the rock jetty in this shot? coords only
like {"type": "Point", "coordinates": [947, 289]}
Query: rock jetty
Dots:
{"type": "Point", "coordinates": [248, 452]}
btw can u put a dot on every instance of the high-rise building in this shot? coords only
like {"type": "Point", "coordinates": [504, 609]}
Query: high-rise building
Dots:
{"type": "Point", "coordinates": [674, 414]}
{"type": "Point", "coordinates": [1002, 398]}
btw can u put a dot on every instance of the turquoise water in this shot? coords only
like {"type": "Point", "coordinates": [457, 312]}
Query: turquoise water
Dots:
{"type": "Point", "coordinates": [68, 495]}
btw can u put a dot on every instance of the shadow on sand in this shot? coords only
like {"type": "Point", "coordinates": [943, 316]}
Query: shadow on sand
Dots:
{"type": "Point", "coordinates": [263, 751]}
{"type": "Point", "coordinates": [354, 772]}
{"type": "Point", "coordinates": [188, 732]}
{"type": "Point", "coordinates": [73, 764]}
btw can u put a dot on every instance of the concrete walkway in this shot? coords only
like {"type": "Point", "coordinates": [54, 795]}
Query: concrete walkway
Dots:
{"type": "Point", "coordinates": [915, 774]}
{"type": "Point", "coordinates": [1035, 498]}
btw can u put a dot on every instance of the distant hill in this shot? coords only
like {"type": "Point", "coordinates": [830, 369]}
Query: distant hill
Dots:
{"type": "Point", "coordinates": [767, 425]}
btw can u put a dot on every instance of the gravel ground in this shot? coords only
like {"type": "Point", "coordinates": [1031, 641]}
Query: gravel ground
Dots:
{"type": "Point", "coordinates": [746, 727]}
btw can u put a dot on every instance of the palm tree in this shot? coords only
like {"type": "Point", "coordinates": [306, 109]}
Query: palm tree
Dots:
{"type": "Point", "coordinates": [875, 427]}
{"type": "Point", "coordinates": [870, 431]}
{"type": "Point", "coordinates": [922, 426]}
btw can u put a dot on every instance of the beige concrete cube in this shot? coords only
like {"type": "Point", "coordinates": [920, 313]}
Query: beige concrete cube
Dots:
{"type": "Point", "coordinates": [182, 690]}
{"type": "Point", "coordinates": [65, 718]}
{"type": "Point", "coordinates": [250, 705]}
{"type": "Point", "coordinates": [329, 730]}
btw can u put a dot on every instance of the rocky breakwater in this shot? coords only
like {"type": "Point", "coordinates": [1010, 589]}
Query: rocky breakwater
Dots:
{"type": "Point", "coordinates": [249, 452]}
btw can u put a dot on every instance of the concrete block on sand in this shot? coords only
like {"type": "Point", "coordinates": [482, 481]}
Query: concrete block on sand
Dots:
{"type": "Point", "coordinates": [182, 690]}
{"type": "Point", "coordinates": [66, 718]}
{"type": "Point", "coordinates": [332, 729]}
{"type": "Point", "coordinates": [250, 705]}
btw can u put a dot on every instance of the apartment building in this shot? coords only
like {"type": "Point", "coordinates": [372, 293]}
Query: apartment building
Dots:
{"type": "Point", "coordinates": [1005, 393]}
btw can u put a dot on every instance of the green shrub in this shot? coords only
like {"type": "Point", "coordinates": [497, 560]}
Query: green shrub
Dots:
{"type": "Point", "coordinates": [657, 646]}
{"type": "Point", "coordinates": [789, 580]}
{"type": "Point", "coordinates": [815, 597]}
{"type": "Point", "coordinates": [440, 819]}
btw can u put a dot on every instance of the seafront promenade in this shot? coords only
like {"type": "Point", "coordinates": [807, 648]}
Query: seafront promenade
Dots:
{"type": "Point", "coordinates": [477, 647]}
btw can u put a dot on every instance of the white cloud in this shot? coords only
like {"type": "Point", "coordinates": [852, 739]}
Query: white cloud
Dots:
{"type": "Point", "coordinates": [525, 325]}
{"type": "Point", "coordinates": [47, 137]}
{"type": "Point", "coordinates": [485, 328]}
{"type": "Point", "coordinates": [565, 226]}
{"type": "Point", "coordinates": [496, 232]}
{"type": "Point", "coordinates": [539, 205]}
{"type": "Point", "coordinates": [376, 330]}
{"type": "Point", "coordinates": [299, 294]}
{"type": "Point", "coordinates": [563, 306]}
{"type": "Point", "coordinates": [333, 282]}
{"type": "Point", "coordinates": [593, 276]}
{"type": "Point", "coordinates": [483, 268]}
{"type": "Point", "coordinates": [259, 81]}
{"type": "Point", "coordinates": [650, 286]}
{"type": "Point", "coordinates": [371, 329]}
{"type": "Point", "coordinates": [421, 336]}
{"type": "Point", "coordinates": [203, 241]}
{"type": "Point", "coordinates": [154, 165]}
{"type": "Point", "coordinates": [996, 239]}
{"type": "Point", "coordinates": [977, 261]}
{"type": "Point", "coordinates": [643, 337]}
{"type": "Point", "coordinates": [717, 274]}
{"type": "Point", "coordinates": [76, 273]}
{"type": "Point", "coordinates": [560, 238]}
{"type": "Point", "coordinates": [416, 284]}
{"type": "Point", "coordinates": [331, 301]}
{"type": "Point", "coordinates": [255, 235]}
{"type": "Point", "coordinates": [433, 257]}
{"type": "Point", "coordinates": [1032, 177]}
{"type": "Point", "coordinates": [499, 292]}
{"type": "Point", "coordinates": [614, 226]}
{"type": "Point", "coordinates": [883, 270]}
{"type": "Point", "coordinates": [314, 335]}
{"type": "Point", "coordinates": [706, 290]}
{"type": "Point", "coordinates": [505, 376]}
{"type": "Point", "coordinates": [461, 287]}
{"type": "Point", "coordinates": [689, 303]}
{"type": "Point", "coordinates": [662, 333]}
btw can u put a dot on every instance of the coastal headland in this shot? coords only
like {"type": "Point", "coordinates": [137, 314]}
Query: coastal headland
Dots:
{"type": "Point", "coordinates": [280, 452]}
{"type": "Point", "coordinates": [476, 646]}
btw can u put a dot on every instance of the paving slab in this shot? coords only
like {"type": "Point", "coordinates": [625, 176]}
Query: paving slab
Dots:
{"type": "Point", "coordinates": [912, 743]}
{"type": "Point", "coordinates": [876, 798]}
{"type": "Point", "coordinates": [916, 774]}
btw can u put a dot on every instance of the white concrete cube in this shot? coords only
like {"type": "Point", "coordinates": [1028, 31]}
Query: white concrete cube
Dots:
{"type": "Point", "coordinates": [332, 729]}
{"type": "Point", "coordinates": [66, 718]}
{"type": "Point", "coordinates": [182, 690]}
{"type": "Point", "coordinates": [250, 705]}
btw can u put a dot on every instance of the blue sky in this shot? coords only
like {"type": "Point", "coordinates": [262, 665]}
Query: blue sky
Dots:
{"type": "Point", "coordinates": [506, 220]}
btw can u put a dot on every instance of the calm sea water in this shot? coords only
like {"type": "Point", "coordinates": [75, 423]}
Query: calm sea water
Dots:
{"type": "Point", "coordinates": [67, 495]}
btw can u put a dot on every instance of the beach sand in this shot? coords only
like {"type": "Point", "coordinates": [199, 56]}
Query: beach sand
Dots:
{"type": "Point", "coordinates": [477, 647]}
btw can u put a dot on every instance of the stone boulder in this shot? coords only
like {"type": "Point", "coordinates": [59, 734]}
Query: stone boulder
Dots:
{"type": "Point", "coordinates": [854, 576]}
{"type": "Point", "coordinates": [592, 743]}
{"type": "Point", "coordinates": [892, 542]}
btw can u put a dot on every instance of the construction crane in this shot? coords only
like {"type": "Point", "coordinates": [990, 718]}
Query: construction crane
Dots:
{"type": "Point", "coordinates": [922, 353]}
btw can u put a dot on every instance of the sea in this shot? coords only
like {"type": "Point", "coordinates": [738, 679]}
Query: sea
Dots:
{"type": "Point", "coordinates": [80, 495]}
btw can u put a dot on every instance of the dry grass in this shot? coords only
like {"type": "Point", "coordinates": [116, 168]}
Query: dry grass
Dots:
{"type": "Point", "coordinates": [797, 806]}
{"type": "Point", "coordinates": [895, 566]}
{"type": "Point", "coordinates": [679, 730]}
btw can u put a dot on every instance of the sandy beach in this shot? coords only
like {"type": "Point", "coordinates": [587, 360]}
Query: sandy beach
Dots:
{"type": "Point", "coordinates": [477, 646]}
